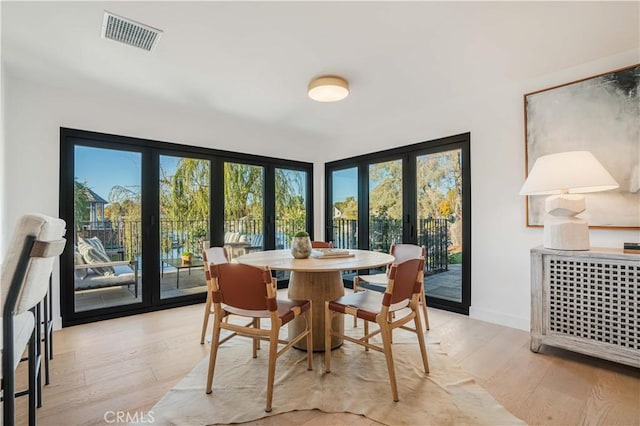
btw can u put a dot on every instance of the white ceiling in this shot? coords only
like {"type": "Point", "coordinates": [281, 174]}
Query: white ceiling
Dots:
{"type": "Point", "coordinates": [254, 60]}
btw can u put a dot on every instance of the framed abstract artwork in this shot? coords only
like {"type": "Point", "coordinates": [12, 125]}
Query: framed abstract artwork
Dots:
{"type": "Point", "coordinates": [600, 114]}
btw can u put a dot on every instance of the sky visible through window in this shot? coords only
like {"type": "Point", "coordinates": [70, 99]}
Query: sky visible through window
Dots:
{"type": "Point", "coordinates": [345, 184]}
{"type": "Point", "coordinates": [102, 169]}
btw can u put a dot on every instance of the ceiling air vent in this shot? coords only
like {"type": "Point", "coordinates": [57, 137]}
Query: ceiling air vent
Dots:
{"type": "Point", "coordinates": [129, 32]}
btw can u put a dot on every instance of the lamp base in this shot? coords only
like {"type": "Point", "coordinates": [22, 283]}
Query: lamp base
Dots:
{"type": "Point", "coordinates": [562, 230]}
{"type": "Point", "coordinates": [566, 234]}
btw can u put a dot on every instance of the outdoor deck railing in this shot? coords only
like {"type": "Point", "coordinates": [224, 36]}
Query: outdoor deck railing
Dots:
{"type": "Point", "coordinates": [432, 233]}
{"type": "Point", "coordinates": [123, 240]}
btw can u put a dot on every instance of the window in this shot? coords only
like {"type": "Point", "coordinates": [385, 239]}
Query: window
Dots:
{"type": "Point", "coordinates": [417, 194]}
{"type": "Point", "coordinates": [153, 206]}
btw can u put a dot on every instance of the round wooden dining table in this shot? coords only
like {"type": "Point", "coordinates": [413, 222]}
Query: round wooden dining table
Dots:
{"type": "Point", "coordinates": [317, 280]}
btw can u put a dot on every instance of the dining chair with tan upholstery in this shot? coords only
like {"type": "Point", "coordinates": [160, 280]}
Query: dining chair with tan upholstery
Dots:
{"type": "Point", "coordinates": [400, 252]}
{"type": "Point", "coordinates": [321, 244]}
{"type": "Point", "coordinates": [211, 255]}
{"type": "Point", "coordinates": [402, 291]}
{"type": "Point", "coordinates": [248, 291]}
{"type": "Point", "coordinates": [36, 242]}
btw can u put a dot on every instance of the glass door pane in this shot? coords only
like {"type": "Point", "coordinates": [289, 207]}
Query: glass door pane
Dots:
{"type": "Point", "coordinates": [344, 190]}
{"type": "Point", "coordinates": [439, 198]}
{"type": "Point", "coordinates": [243, 208]}
{"type": "Point", "coordinates": [385, 205]}
{"type": "Point", "coordinates": [291, 208]}
{"type": "Point", "coordinates": [107, 225]}
{"type": "Point", "coordinates": [291, 205]}
{"type": "Point", "coordinates": [184, 224]}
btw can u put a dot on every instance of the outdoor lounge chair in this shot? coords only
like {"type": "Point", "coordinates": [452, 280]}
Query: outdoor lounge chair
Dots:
{"type": "Point", "coordinates": [235, 243]}
{"type": "Point", "coordinates": [94, 269]}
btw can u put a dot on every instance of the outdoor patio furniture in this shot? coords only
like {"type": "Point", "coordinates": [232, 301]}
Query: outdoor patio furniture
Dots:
{"type": "Point", "coordinates": [94, 269]}
{"type": "Point", "coordinates": [126, 274]}
{"type": "Point", "coordinates": [179, 264]}
{"type": "Point", "coordinates": [256, 243]}
{"type": "Point", "coordinates": [239, 243]}
{"type": "Point", "coordinates": [236, 243]}
{"type": "Point", "coordinates": [402, 291]}
{"type": "Point", "coordinates": [248, 291]}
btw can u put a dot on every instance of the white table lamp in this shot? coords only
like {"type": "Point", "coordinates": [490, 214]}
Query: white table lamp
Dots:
{"type": "Point", "coordinates": [566, 176]}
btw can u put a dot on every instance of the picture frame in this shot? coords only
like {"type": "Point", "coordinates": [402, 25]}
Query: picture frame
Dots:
{"type": "Point", "coordinates": [600, 114]}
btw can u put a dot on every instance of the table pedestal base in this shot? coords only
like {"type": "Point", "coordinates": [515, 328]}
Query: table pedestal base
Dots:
{"type": "Point", "coordinates": [317, 287]}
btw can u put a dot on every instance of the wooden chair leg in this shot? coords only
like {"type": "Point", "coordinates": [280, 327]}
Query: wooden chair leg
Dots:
{"type": "Point", "coordinates": [205, 321]}
{"type": "Point", "coordinates": [423, 301]}
{"type": "Point", "coordinates": [309, 316]}
{"type": "Point", "coordinates": [215, 338]}
{"type": "Point", "coordinates": [366, 333]}
{"type": "Point", "coordinates": [327, 338]}
{"type": "Point", "coordinates": [356, 288]}
{"type": "Point", "coordinates": [386, 343]}
{"type": "Point", "coordinates": [273, 354]}
{"type": "Point", "coordinates": [423, 348]}
{"type": "Point", "coordinates": [256, 340]}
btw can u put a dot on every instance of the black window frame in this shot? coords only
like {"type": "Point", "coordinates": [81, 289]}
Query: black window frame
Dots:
{"type": "Point", "coordinates": [151, 150]}
{"type": "Point", "coordinates": [409, 154]}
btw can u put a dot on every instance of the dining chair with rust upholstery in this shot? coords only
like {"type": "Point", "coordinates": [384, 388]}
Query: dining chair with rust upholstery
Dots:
{"type": "Point", "coordinates": [216, 255]}
{"type": "Point", "coordinates": [400, 252]}
{"type": "Point", "coordinates": [402, 291]}
{"type": "Point", "coordinates": [321, 244]}
{"type": "Point", "coordinates": [37, 240]}
{"type": "Point", "coordinates": [248, 291]}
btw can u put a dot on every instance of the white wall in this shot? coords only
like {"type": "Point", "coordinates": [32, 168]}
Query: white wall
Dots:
{"type": "Point", "coordinates": [35, 113]}
{"type": "Point", "coordinates": [494, 116]}
{"type": "Point", "coordinates": [2, 137]}
{"type": "Point", "coordinates": [500, 240]}
{"type": "Point", "coordinates": [3, 169]}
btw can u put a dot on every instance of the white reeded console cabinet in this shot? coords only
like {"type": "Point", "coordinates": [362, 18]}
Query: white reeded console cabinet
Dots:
{"type": "Point", "coordinates": [587, 302]}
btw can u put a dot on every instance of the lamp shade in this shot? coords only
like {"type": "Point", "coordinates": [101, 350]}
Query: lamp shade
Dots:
{"type": "Point", "coordinates": [328, 89]}
{"type": "Point", "coordinates": [567, 172]}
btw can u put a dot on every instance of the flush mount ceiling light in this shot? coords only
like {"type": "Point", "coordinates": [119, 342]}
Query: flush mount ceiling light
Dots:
{"type": "Point", "coordinates": [328, 89]}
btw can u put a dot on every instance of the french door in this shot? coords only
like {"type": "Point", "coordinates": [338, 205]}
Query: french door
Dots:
{"type": "Point", "coordinates": [140, 213]}
{"type": "Point", "coordinates": [106, 232]}
{"type": "Point", "coordinates": [417, 194]}
{"type": "Point", "coordinates": [184, 199]}
{"type": "Point", "coordinates": [385, 204]}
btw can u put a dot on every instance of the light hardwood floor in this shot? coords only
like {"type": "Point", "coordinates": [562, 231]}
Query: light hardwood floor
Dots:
{"type": "Point", "coordinates": [128, 364]}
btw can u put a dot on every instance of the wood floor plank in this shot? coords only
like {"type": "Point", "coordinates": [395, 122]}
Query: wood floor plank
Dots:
{"type": "Point", "coordinates": [616, 388]}
{"type": "Point", "coordinates": [130, 363]}
{"type": "Point", "coordinates": [488, 359]}
{"type": "Point", "coordinates": [516, 373]}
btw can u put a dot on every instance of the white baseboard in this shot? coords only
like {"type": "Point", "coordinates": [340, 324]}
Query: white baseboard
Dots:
{"type": "Point", "coordinates": [499, 318]}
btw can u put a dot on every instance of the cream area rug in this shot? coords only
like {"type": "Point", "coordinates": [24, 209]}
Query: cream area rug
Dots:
{"type": "Point", "coordinates": [358, 383]}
